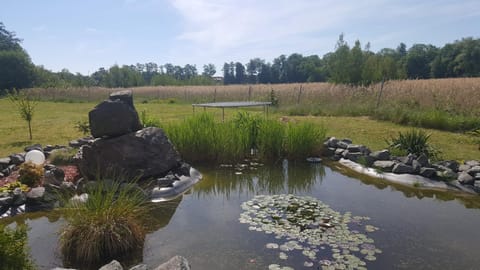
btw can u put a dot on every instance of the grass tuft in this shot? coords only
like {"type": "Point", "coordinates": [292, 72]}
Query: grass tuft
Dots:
{"type": "Point", "coordinates": [110, 225]}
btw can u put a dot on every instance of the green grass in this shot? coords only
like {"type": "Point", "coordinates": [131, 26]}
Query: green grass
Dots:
{"type": "Point", "coordinates": [54, 123]}
{"type": "Point", "coordinates": [110, 225]}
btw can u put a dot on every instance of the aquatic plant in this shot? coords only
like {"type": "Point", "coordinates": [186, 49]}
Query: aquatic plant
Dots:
{"type": "Point", "coordinates": [414, 141]}
{"type": "Point", "coordinates": [109, 225]}
{"type": "Point", "coordinates": [30, 174]}
{"type": "Point", "coordinates": [305, 225]}
{"type": "Point", "coordinates": [303, 139]}
{"type": "Point", "coordinates": [14, 249]}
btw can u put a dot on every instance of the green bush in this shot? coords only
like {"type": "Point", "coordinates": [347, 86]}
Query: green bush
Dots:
{"type": "Point", "coordinates": [13, 249]}
{"type": "Point", "coordinates": [413, 142]}
{"type": "Point", "coordinates": [62, 156]}
{"type": "Point", "coordinates": [110, 225]}
{"type": "Point", "coordinates": [30, 174]}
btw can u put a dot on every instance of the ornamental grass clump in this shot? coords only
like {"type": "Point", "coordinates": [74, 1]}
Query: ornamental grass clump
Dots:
{"type": "Point", "coordinates": [303, 139]}
{"type": "Point", "coordinates": [110, 225]}
{"type": "Point", "coordinates": [414, 142]}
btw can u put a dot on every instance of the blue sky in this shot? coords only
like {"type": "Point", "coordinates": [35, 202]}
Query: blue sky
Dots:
{"type": "Point", "coordinates": [85, 35]}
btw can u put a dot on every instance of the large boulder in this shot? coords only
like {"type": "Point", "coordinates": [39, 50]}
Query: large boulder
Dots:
{"type": "Point", "coordinates": [146, 153]}
{"type": "Point", "coordinates": [175, 263]}
{"type": "Point", "coordinates": [115, 116]}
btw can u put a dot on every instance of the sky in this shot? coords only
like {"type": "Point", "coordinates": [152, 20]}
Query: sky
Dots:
{"type": "Point", "coordinates": [83, 36]}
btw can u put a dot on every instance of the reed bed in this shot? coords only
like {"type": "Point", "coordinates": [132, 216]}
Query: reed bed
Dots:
{"type": "Point", "coordinates": [201, 139]}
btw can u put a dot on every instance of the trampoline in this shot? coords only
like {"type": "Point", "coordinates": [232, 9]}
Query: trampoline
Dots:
{"type": "Point", "coordinates": [233, 104]}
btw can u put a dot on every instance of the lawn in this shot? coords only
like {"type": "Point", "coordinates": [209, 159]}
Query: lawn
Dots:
{"type": "Point", "coordinates": [54, 123]}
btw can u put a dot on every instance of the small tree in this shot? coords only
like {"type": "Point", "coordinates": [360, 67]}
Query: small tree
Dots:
{"type": "Point", "coordinates": [25, 106]}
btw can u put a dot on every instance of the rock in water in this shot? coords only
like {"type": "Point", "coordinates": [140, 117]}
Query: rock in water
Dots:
{"type": "Point", "coordinates": [115, 116]}
{"type": "Point", "coordinates": [146, 153]}
{"type": "Point", "coordinates": [175, 263]}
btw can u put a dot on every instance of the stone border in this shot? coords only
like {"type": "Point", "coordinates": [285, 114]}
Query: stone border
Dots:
{"type": "Point", "coordinates": [410, 170]}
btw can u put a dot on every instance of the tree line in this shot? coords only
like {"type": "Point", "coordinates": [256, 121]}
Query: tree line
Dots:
{"type": "Point", "coordinates": [346, 64]}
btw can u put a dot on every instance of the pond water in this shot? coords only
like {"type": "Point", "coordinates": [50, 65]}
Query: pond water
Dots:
{"type": "Point", "coordinates": [417, 229]}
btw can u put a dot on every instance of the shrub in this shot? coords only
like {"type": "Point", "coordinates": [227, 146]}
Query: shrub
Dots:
{"type": "Point", "coordinates": [83, 126]}
{"type": "Point", "coordinates": [63, 156]}
{"type": "Point", "coordinates": [110, 225]}
{"type": "Point", "coordinates": [10, 187]}
{"type": "Point", "coordinates": [30, 174]}
{"type": "Point", "coordinates": [413, 142]}
{"type": "Point", "coordinates": [13, 249]}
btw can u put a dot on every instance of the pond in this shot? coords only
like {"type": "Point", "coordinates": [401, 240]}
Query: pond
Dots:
{"type": "Point", "coordinates": [416, 229]}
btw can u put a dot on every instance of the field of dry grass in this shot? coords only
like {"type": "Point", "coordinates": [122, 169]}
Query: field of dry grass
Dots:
{"type": "Point", "coordinates": [460, 95]}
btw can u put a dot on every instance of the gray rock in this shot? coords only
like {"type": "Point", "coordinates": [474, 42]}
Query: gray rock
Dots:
{"type": "Point", "coordinates": [476, 184]}
{"type": "Point", "coordinates": [428, 172]}
{"type": "Point", "coordinates": [147, 152]}
{"type": "Point", "coordinates": [59, 268]}
{"type": "Point", "coordinates": [18, 198]}
{"type": "Point", "coordinates": [352, 156]}
{"type": "Point", "coordinates": [38, 201]}
{"type": "Point", "coordinates": [381, 155]}
{"type": "Point", "coordinates": [139, 267]}
{"type": "Point", "coordinates": [474, 170]}
{"type": "Point", "coordinates": [54, 176]}
{"type": "Point", "coordinates": [384, 165]}
{"type": "Point", "coordinates": [4, 162]}
{"type": "Point", "coordinates": [366, 161]}
{"type": "Point", "coordinates": [17, 159]}
{"type": "Point", "coordinates": [423, 160]}
{"type": "Point", "coordinates": [401, 168]}
{"type": "Point", "coordinates": [464, 167]}
{"type": "Point", "coordinates": [344, 143]}
{"type": "Point", "coordinates": [114, 117]}
{"type": "Point", "coordinates": [36, 146]}
{"type": "Point", "coordinates": [477, 176]}
{"type": "Point", "coordinates": [331, 142]}
{"type": "Point", "coordinates": [113, 265]}
{"type": "Point", "coordinates": [406, 160]}
{"type": "Point", "coordinates": [451, 164]}
{"type": "Point", "coordinates": [472, 163]}
{"type": "Point", "coordinates": [175, 263]}
{"type": "Point", "coordinates": [465, 178]}
{"type": "Point", "coordinates": [416, 166]}
{"type": "Point", "coordinates": [339, 151]}
{"type": "Point", "coordinates": [447, 174]}
{"type": "Point", "coordinates": [355, 148]}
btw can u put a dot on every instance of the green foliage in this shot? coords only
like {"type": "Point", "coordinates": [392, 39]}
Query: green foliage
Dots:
{"type": "Point", "coordinates": [110, 225]}
{"type": "Point", "coordinates": [149, 121]}
{"type": "Point", "coordinates": [413, 142]}
{"type": "Point", "coordinates": [26, 107]}
{"type": "Point", "coordinates": [303, 139]}
{"type": "Point", "coordinates": [63, 156]}
{"type": "Point", "coordinates": [30, 174]}
{"type": "Point", "coordinates": [83, 126]}
{"type": "Point", "coordinates": [13, 249]}
{"type": "Point", "coordinates": [201, 139]}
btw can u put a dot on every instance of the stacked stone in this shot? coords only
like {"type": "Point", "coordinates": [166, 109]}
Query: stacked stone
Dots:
{"type": "Point", "coordinates": [463, 176]}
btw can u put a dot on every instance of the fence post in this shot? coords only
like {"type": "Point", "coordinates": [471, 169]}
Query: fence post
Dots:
{"type": "Point", "coordinates": [379, 94]}
{"type": "Point", "coordinates": [249, 92]}
{"type": "Point", "coordinates": [299, 94]}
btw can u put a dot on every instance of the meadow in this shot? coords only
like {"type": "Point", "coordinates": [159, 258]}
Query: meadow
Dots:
{"type": "Point", "coordinates": [368, 115]}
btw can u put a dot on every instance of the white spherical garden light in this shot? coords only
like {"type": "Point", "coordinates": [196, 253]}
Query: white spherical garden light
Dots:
{"type": "Point", "coordinates": [35, 156]}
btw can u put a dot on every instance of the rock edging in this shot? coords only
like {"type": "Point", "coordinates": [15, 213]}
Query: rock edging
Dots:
{"type": "Point", "coordinates": [410, 170]}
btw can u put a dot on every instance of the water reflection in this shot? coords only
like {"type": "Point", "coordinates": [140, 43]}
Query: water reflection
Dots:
{"type": "Point", "coordinates": [274, 179]}
{"type": "Point", "coordinates": [468, 200]}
